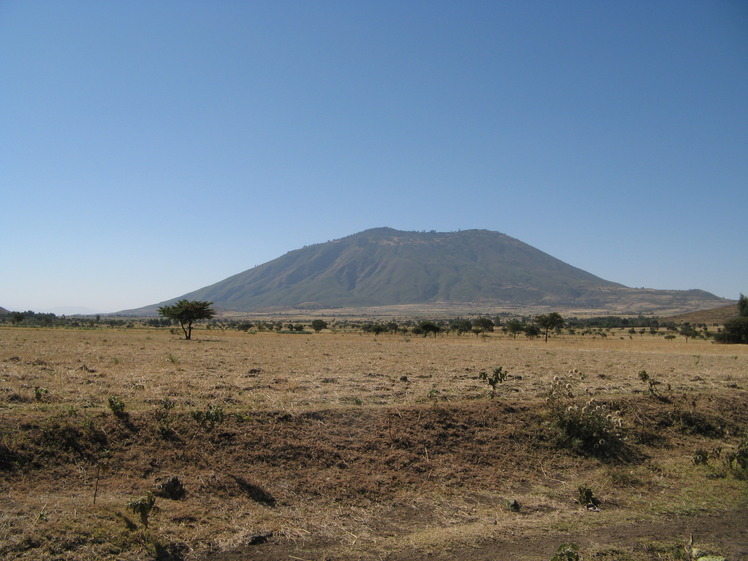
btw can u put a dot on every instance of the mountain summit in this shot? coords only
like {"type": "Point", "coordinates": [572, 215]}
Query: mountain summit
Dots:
{"type": "Point", "coordinates": [387, 267]}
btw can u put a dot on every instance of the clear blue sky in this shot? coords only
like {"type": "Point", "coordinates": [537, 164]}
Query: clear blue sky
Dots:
{"type": "Point", "coordinates": [150, 148]}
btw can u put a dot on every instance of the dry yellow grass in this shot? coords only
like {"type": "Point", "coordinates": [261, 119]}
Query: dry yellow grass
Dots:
{"type": "Point", "coordinates": [374, 447]}
{"type": "Point", "coordinates": [276, 371]}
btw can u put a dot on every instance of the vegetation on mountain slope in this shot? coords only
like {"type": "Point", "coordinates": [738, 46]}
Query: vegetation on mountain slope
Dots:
{"type": "Point", "coordinates": [386, 267]}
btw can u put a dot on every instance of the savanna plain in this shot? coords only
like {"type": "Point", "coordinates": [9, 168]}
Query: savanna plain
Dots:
{"type": "Point", "coordinates": [134, 444]}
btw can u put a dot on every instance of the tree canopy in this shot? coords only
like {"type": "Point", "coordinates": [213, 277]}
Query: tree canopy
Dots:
{"type": "Point", "coordinates": [318, 325]}
{"type": "Point", "coordinates": [186, 312]}
{"type": "Point", "coordinates": [513, 327]}
{"type": "Point", "coordinates": [735, 329]}
{"type": "Point", "coordinates": [743, 306]}
{"type": "Point", "coordinates": [483, 324]}
{"type": "Point", "coordinates": [546, 322]}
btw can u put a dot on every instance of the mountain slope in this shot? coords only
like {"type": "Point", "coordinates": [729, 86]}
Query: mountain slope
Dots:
{"type": "Point", "coordinates": [386, 267]}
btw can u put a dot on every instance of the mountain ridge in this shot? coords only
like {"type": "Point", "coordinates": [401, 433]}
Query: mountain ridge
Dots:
{"type": "Point", "coordinates": [384, 267]}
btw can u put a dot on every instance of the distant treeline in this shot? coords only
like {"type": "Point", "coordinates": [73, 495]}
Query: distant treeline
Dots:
{"type": "Point", "coordinates": [458, 325]}
{"type": "Point", "coordinates": [513, 325]}
{"type": "Point", "coordinates": [38, 319]}
{"type": "Point", "coordinates": [618, 322]}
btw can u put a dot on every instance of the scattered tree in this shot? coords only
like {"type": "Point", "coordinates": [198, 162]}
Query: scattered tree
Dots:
{"type": "Point", "coordinates": [461, 326]}
{"type": "Point", "coordinates": [392, 326]}
{"type": "Point", "coordinates": [513, 327]}
{"type": "Point", "coordinates": [546, 322]}
{"type": "Point", "coordinates": [375, 328]}
{"type": "Point", "coordinates": [187, 312]}
{"type": "Point", "coordinates": [318, 325]}
{"type": "Point", "coordinates": [425, 327]}
{"type": "Point", "coordinates": [483, 324]}
{"type": "Point", "coordinates": [688, 331]}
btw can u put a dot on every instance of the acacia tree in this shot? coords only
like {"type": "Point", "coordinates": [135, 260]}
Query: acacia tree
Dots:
{"type": "Point", "coordinates": [186, 312]}
{"type": "Point", "coordinates": [483, 325]}
{"type": "Point", "coordinates": [318, 325]}
{"type": "Point", "coordinates": [425, 327]}
{"type": "Point", "coordinates": [513, 327]}
{"type": "Point", "coordinates": [546, 322]}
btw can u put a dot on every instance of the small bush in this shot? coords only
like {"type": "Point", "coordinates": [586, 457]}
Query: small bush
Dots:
{"type": "Point", "coordinates": [586, 497]}
{"type": "Point", "coordinates": [591, 429]}
{"type": "Point", "coordinates": [513, 505]}
{"type": "Point", "coordinates": [700, 457]}
{"type": "Point", "coordinates": [143, 507]}
{"type": "Point", "coordinates": [171, 488]}
{"type": "Point", "coordinates": [163, 417]}
{"type": "Point", "coordinates": [117, 406]}
{"type": "Point", "coordinates": [652, 384]}
{"type": "Point", "coordinates": [496, 377]}
{"type": "Point", "coordinates": [209, 418]}
{"type": "Point", "coordinates": [737, 461]}
{"type": "Point", "coordinates": [567, 552]}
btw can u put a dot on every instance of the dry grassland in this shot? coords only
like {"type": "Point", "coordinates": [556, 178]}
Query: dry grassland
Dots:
{"type": "Point", "coordinates": [351, 446]}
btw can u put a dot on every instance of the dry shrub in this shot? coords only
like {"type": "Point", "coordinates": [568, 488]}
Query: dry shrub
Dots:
{"type": "Point", "coordinates": [592, 428]}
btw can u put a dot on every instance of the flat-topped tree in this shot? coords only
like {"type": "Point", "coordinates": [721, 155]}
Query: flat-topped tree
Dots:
{"type": "Point", "coordinates": [186, 312]}
{"type": "Point", "coordinates": [546, 322]}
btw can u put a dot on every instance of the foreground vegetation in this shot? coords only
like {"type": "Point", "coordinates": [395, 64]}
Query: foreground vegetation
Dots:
{"type": "Point", "coordinates": [352, 443]}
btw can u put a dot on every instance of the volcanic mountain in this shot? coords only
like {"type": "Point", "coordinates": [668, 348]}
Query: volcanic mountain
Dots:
{"type": "Point", "coordinates": [385, 267]}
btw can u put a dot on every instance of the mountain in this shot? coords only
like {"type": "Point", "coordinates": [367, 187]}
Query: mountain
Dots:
{"type": "Point", "coordinates": [386, 267]}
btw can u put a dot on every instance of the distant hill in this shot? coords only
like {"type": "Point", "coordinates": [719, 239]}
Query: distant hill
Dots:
{"type": "Point", "coordinates": [386, 267]}
{"type": "Point", "coordinates": [714, 316]}
{"type": "Point", "coordinates": [4, 312]}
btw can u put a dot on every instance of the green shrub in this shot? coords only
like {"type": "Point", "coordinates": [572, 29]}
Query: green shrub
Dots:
{"type": "Point", "coordinates": [117, 406]}
{"type": "Point", "coordinates": [498, 376]}
{"type": "Point", "coordinates": [143, 507]}
{"type": "Point", "coordinates": [210, 417]}
{"type": "Point", "coordinates": [735, 331]}
{"type": "Point", "coordinates": [567, 552]}
{"type": "Point", "coordinates": [163, 417]}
